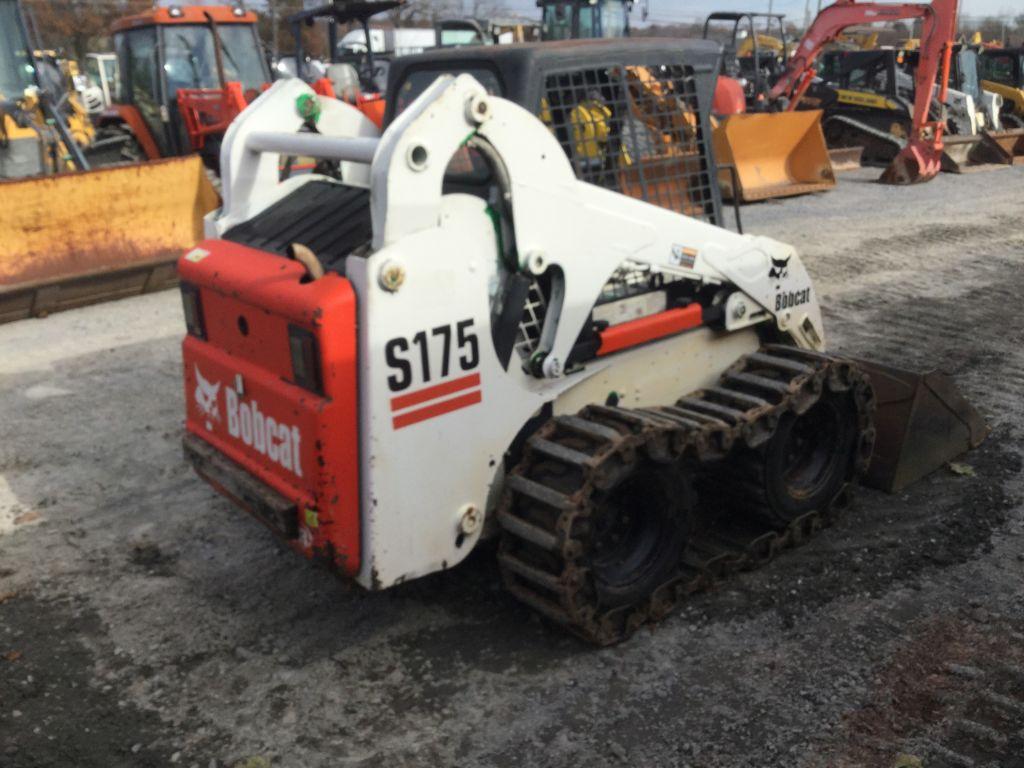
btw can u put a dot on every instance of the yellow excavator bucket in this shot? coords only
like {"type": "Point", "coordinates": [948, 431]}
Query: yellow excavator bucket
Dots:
{"type": "Point", "coordinates": [77, 238]}
{"type": "Point", "coordinates": [774, 154]}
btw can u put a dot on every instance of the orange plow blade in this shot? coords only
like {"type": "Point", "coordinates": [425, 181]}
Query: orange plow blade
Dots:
{"type": "Point", "coordinates": [78, 238]}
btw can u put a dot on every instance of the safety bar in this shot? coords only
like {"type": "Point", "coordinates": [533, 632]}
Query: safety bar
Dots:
{"type": "Point", "coordinates": [353, 150]}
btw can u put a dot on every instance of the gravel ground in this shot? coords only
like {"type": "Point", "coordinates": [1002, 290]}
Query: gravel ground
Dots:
{"type": "Point", "coordinates": [144, 621]}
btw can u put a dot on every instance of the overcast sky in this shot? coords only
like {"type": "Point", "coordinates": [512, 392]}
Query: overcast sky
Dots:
{"type": "Point", "coordinates": [687, 10]}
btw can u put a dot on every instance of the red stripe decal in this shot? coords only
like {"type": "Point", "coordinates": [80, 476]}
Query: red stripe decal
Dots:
{"type": "Point", "coordinates": [649, 328]}
{"type": "Point", "coordinates": [437, 409]}
{"type": "Point", "coordinates": [434, 392]}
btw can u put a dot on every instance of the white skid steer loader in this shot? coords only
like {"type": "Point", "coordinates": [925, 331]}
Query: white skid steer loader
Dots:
{"type": "Point", "coordinates": [386, 369]}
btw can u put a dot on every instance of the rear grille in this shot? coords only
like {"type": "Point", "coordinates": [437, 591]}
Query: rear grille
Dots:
{"type": "Point", "coordinates": [532, 322]}
{"type": "Point", "coordinates": [635, 130]}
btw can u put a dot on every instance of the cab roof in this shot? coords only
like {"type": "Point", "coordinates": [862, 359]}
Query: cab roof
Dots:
{"type": "Point", "coordinates": [519, 66]}
{"type": "Point", "coordinates": [189, 14]}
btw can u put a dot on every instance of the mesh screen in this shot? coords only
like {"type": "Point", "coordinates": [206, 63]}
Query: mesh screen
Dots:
{"type": "Point", "coordinates": [635, 130]}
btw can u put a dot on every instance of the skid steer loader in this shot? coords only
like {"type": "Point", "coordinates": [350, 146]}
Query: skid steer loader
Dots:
{"type": "Point", "coordinates": [868, 98]}
{"type": "Point", "coordinates": [72, 235]}
{"type": "Point", "coordinates": [636, 402]}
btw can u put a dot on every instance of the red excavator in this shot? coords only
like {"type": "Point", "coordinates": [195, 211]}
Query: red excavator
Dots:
{"type": "Point", "coordinates": [921, 158]}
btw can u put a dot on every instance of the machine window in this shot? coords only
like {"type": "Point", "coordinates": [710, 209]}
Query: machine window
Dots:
{"type": "Point", "coordinates": [143, 65]}
{"type": "Point", "coordinates": [15, 68]}
{"type": "Point", "coordinates": [557, 21]}
{"type": "Point", "coordinates": [998, 68]}
{"type": "Point", "coordinates": [417, 82]}
{"type": "Point", "coordinates": [191, 57]}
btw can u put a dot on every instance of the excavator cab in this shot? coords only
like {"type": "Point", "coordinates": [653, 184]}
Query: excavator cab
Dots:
{"type": "Point", "coordinates": [186, 72]}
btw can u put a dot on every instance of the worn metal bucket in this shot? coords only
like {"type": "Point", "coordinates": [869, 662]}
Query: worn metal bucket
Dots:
{"type": "Point", "coordinates": [845, 158]}
{"type": "Point", "coordinates": [961, 152]}
{"type": "Point", "coordinates": [1005, 147]}
{"type": "Point", "coordinates": [776, 154]}
{"type": "Point", "coordinates": [922, 422]}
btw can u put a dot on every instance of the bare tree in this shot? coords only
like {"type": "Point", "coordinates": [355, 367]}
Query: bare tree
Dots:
{"type": "Point", "coordinates": [77, 27]}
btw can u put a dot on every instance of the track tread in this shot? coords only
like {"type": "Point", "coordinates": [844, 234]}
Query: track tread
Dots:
{"type": "Point", "coordinates": [541, 555]}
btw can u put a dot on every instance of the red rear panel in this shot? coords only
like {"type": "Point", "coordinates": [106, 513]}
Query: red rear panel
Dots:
{"type": "Point", "coordinates": [241, 393]}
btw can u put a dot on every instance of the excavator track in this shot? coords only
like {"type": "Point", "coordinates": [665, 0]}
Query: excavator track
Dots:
{"type": "Point", "coordinates": [551, 501]}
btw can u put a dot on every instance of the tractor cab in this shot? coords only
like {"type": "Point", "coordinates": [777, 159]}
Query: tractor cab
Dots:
{"type": "Point", "coordinates": [186, 72]}
{"type": "Point", "coordinates": [584, 19]}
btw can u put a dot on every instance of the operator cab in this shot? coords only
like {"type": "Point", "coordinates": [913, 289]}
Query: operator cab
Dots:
{"type": "Point", "coordinates": [584, 19]}
{"type": "Point", "coordinates": [589, 93]}
{"type": "Point", "coordinates": [754, 48]}
{"type": "Point", "coordinates": [1004, 66]}
{"type": "Point", "coordinates": [171, 49]}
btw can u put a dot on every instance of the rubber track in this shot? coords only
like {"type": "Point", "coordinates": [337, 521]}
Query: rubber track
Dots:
{"type": "Point", "coordinates": [549, 497]}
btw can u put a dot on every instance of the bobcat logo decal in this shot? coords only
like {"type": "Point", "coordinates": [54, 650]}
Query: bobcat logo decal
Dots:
{"type": "Point", "coordinates": [780, 268]}
{"type": "Point", "coordinates": [206, 397]}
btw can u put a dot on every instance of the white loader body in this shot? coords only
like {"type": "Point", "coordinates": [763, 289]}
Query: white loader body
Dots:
{"type": "Point", "coordinates": [438, 409]}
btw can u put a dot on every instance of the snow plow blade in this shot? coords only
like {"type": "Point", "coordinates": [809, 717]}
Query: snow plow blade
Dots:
{"type": "Point", "coordinates": [775, 154]}
{"type": "Point", "coordinates": [79, 238]}
{"type": "Point", "coordinates": [922, 422]}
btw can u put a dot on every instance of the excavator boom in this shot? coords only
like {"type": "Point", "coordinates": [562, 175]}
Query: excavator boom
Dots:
{"type": "Point", "coordinates": [920, 160]}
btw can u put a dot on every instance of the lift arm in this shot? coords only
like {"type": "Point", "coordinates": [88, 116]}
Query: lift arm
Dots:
{"type": "Point", "coordinates": [938, 22]}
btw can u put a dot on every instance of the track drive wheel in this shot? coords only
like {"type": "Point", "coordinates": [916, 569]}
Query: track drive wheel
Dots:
{"type": "Point", "coordinates": [636, 535]}
{"type": "Point", "coordinates": [809, 462]}
{"type": "Point", "coordinates": [594, 546]}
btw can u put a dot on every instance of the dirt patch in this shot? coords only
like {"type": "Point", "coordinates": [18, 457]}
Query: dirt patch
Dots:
{"type": "Point", "coordinates": [954, 695]}
{"type": "Point", "coordinates": [60, 705]}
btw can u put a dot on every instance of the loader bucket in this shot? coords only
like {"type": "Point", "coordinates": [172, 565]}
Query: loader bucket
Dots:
{"type": "Point", "coordinates": [922, 421]}
{"type": "Point", "coordinates": [916, 163]}
{"type": "Point", "coordinates": [78, 238]}
{"type": "Point", "coordinates": [845, 158]}
{"type": "Point", "coordinates": [1004, 147]}
{"type": "Point", "coordinates": [959, 153]}
{"type": "Point", "coordinates": [775, 154]}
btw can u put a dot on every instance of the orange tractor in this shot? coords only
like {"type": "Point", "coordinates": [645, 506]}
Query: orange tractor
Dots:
{"type": "Point", "coordinates": [185, 73]}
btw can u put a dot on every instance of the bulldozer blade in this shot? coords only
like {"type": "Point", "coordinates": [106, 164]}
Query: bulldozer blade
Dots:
{"type": "Point", "coordinates": [845, 158]}
{"type": "Point", "coordinates": [78, 238]}
{"type": "Point", "coordinates": [775, 154]}
{"type": "Point", "coordinates": [922, 421]}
